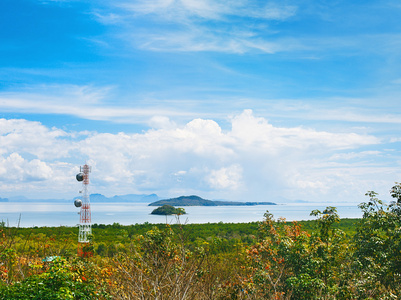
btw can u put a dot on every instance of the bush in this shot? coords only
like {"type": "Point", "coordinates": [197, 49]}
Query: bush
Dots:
{"type": "Point", "coordinates": [60, 279]}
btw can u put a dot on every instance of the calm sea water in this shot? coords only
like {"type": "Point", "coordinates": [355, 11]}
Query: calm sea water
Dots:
{"type": "Point", "coordinates": [60, 214]}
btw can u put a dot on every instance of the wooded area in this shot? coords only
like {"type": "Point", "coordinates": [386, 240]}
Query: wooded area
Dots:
{"type": "Point", "coordinates": [327, 258]}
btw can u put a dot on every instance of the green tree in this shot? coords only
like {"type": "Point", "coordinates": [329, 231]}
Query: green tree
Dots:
{"type": "Point", "coordinates": [101, 249]}
{"type": "Point", "coordinates": [331, 253]}
{"type": "Point", "coordinates": [378, 248]}
{"type": "Point", "coordinates": [158, 265]}
{"type": "Point", "coordinates": [60, 280]}
{"type": "Point", "coordinates": [282, 264]}
{"type": "Point", "coordinates": [168, 210]}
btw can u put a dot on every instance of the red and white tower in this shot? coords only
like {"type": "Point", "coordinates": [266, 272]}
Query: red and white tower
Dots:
{"type": "Point", "coordinates": [85, 228]}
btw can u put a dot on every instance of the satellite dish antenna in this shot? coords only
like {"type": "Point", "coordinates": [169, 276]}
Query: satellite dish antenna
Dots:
{"type": "Point", "coordinates": [78, 202]}
{"type": "Point", "coordinates": [80, 176]}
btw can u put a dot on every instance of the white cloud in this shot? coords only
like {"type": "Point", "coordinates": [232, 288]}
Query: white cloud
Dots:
{"type": "Point", "coordinates": [353, 155]}
{"type": "Point", "coordinates": [234, 26]}
{"type": "Point", "coordinates": [225, 178]}
{"type": "Point", "coordinates": [159, 122]}
{"type": "Point", "coordinates": [86, 102]}
{"type": "Point", "coordinates": [199, 39]}
{"type": "Point", "coordinates": [16, 169]}
{"type": "Point", "coordinates": [237, 26]}
{"type": "Point", "coordinates": [33, 138]}
{"type": "Point", "coordinates": [108, 18]}
{"type": "Point", "coordinates": [350, 116]}
{"type": "Point", "coordinates": [180, 10]}
{"type": "Point", "coordinates": [257, 132]}
{"type": "Point", "coordinates": [254, 160]}
{"type": "Point", "coordinates": [96, 103]}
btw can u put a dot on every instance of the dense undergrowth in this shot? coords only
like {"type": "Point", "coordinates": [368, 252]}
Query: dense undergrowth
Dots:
{"type": "Point", "coordinates": [327, 258]}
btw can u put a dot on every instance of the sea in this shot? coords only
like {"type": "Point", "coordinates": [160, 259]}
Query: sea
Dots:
{"type": "Point", "coordinates": [41, 214]}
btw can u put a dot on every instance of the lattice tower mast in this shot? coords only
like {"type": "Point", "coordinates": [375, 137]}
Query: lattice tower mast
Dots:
{"type": "Point", "coordinates": [85, 226]}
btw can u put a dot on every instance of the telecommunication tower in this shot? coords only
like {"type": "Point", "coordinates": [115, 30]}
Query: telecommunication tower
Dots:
{"type": "Point", "coordinates": [85, 228]}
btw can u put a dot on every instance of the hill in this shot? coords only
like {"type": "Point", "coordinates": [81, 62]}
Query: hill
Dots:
{"type": "Point", "coordinates": [198, 201]}
{"type": "Point", "coordinates": [184, 201]}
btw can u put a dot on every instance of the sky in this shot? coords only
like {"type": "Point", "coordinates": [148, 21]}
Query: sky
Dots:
{"type": "Point", "coordinates": [241, 100]}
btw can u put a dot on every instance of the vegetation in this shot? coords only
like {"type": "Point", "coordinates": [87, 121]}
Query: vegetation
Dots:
{"type": "Point", "coordinates": [168, 210]}
{"type": "Point", "coordinates": [327, 258]}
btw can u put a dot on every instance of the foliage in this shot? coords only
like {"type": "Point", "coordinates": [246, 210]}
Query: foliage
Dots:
{"type": "Point", "coordinates": [168, 210]}
{"type": "Point", "coordinates": [282, 265]}
{"type": "Point", "coordinates": [325, 258]}
{"type": "Point", "coordinates": [378, 247]}
{"type": "Point", "coordinates": [59, 279]}
{"type": "Point", "coordinates": [158, 265]}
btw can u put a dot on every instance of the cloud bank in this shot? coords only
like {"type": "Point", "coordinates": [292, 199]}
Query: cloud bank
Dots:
{"type": "Point", "coordinates": [254, 160]}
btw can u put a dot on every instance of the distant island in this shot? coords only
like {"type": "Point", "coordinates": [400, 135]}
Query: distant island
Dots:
{"type": "Point", "coordinates": [168, 210]}
{"type": "Point", "coordinates": [198, 201]}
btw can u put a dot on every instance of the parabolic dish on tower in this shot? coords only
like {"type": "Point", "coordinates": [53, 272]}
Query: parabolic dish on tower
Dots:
{"type": "Point", "coordinates": [78, 202]}
{"type": "Point", "coordinates": [80, 176]}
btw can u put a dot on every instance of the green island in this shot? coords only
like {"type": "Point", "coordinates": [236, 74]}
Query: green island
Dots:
{"type": "Point", "coordinates": [168, 210]}
{"type": "Point", "coordinates": [324, 258]}
{"type": "Point", "coordinates": [198, 201]}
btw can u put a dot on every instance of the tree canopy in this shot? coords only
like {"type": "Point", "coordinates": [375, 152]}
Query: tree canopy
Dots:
{"type": "Point", "coordinates": [168, 210]}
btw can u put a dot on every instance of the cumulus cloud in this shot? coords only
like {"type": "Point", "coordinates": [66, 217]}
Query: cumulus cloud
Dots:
{"type": "Point", "coordinates": [16, 169]}
{"type": "Point", "coordinates": [17, 135]}
{"type": "Point", "coordinates": [225, 178]}
{"type": "Point", "coordinates": [252, 131]}
{"type": "Point", "coordinates": [254, 160]}
{"type": "Point", "coordinates": [159, 122]}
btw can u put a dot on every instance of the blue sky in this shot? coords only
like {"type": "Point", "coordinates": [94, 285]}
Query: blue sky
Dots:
{"type": "Point", "coordinates": [237, 100]}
